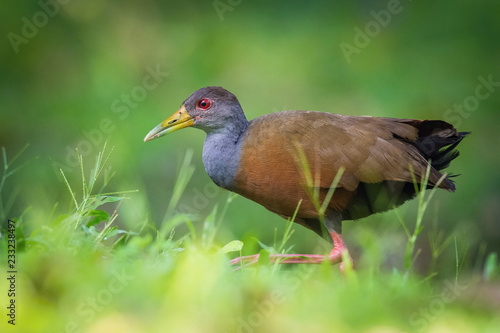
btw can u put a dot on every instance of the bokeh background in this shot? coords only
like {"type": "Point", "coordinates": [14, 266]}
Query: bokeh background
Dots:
{"type": "Point", "coordinates": [74, 78]}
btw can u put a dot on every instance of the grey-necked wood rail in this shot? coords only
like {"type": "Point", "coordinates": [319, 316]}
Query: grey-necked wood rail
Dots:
{"type": "Point", "coordinates": [288, 161]}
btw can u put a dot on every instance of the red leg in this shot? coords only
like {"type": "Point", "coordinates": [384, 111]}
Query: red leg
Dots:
{"type": "Point", "coordinates": [338, 248]}
{"type": "Point", "coordinates": [334, 257]}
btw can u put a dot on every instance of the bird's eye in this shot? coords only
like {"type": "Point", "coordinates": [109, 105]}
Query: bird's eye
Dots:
{"type": "Point", "coordinates": [204, 104]}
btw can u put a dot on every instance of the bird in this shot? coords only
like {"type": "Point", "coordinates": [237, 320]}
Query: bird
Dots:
{"type": "Point", "coordinates": [318, 168]}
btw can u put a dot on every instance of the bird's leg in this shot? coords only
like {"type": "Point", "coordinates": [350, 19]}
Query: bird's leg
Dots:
{"type": "Point", "coordinates": [334, 257]}
{"type": "Point", "coordinates": [248, 260]}
{"type": "Point", "coordinates": [282, 259]}
{"type": "Point", "coordinates": [333, 225]}
{"type": "Point", "coordinates": [339, 248]}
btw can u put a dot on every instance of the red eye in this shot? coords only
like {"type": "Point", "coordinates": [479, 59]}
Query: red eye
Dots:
{"type": "Point", "coordinates": [204, 104]}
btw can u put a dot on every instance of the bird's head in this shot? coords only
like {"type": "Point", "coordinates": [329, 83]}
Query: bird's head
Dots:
{"type": "Point", "coordinates": [210, 109]}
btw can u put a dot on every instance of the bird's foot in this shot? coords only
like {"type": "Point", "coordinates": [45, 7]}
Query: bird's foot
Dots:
{"type": "Point", "coordinates": [245, 260]}
{"type": "Point", "coordinates": [338, 254]}
{"type": "Point", "coordinates": [280, 258]}
{"type": "Point", "coordinates": [333, 258]}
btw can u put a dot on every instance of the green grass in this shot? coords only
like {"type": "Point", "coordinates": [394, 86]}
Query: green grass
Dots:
{"type": "Point", "coordinates": [81, 272]}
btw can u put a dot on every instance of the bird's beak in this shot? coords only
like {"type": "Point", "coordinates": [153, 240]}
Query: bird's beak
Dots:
{"type": "Point", "coordinates": [175, 122]}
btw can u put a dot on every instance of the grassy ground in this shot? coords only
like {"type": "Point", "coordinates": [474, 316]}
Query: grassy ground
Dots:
{"type": "Point", "coordinates": [79, 272]}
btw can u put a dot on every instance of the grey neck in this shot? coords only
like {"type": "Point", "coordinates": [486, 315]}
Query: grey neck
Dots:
{"type": "Point", "coordinates": [221, 152]}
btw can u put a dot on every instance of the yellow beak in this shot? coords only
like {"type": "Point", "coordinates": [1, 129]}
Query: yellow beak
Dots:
{"type": "Point", "coordinates": [175, 122]}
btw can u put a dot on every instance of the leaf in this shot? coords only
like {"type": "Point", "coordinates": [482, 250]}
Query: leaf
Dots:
{"type": "Point", "coordinates": [113, 231]}
{"type": "Point", "coordinates": [269, 249]}
{"type": "Point", "coordinates": [490, 266]}
{"type": "Point", "coordinates": [263, 257]}
{"type": "Point", "coordinates": [173, 222]}
{"type": "Point", "coordinates": [232, 246]}
{"type": "Point", "coordinates": [108, 198]}
{"type": "Point", "coordinates": [99, 216]}
{"type": "Point", "coordinates": [91, 230]}
{"type": "Point", "coordinates": [209, 229]}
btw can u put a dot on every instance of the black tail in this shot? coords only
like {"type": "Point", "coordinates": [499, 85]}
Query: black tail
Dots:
{"type": "Point", "coordinates": [437, 141]}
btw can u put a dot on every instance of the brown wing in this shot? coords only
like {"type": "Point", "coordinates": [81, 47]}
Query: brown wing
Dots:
{"type": "Point", "coordinates": [372, 150]}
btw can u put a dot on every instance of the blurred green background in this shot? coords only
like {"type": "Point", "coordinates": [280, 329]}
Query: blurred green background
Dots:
{"type": "Point", "coordinates": [74, 78]}
{"type": "Point", "coordinates": [77, 74]}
